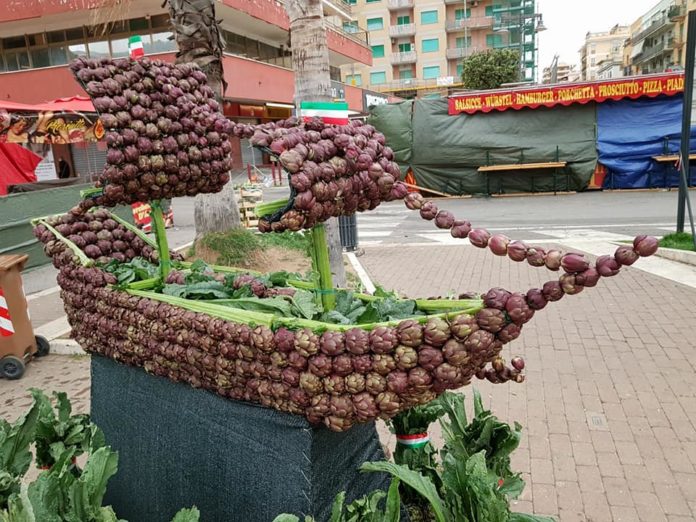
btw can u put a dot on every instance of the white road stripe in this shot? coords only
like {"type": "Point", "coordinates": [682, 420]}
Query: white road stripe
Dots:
{"type": "Point", "coordinates": [362, 273]}
{"type": "Point", "coordinates": [54, 329]}
{"type": "Point", "coordinates": [383, 233]}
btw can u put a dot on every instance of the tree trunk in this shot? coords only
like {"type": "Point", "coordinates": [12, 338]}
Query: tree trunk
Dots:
{"type": "Point", "coordinates": [310, 61]}
{"type": "Point", "coordinates": [198, 37]}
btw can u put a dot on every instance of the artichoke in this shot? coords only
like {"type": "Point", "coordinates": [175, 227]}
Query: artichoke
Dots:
{"type": "Point", "coordinates": [444, 219]}
{"type": "Point", "coordinates": [291, 376]}
{"type": "Point", "coordinates": [362, 363]}
{"type": "Point", "coordinates": [375, 383]}
{"type": "Point", "coordinates": [570, 285]}
{"type": "Point", "coordinates": [462, 325]}
{"type": "Point", "coordinates": [297, 361]}
{"type": "Point", "coordinates": [479, 342]}
{"type": "Point", "coordinates": [429, 358]}
{"type": "Point", "coordinates": [279, 359]}
{"type": "Point", "coordinates": [428, 210]}
{"type": "Point", "coordinates": [319, 407]}
{"type": "Point", "coordinates": [518, 310]}
{"type": "Point", "coordinates": [574, 263]}
{"type": "Point", "coordinates": [479, 237]}
{"type": "Point", "coordinates": [414, 201]}
{"type": "Point", "coordinates": [626, 256]}
{"type": "Point", "coordinates": [320, 365]}
{"type": "Point", "coordinates": [536, 299]}
{"type": "Point", "coordinates": [336, 423]}
{"type": "Point", "coordinates": [299, 397]}
{"type": "Point", "coordinates": [410, 333]}
{"type": "Point", "coordinates": [357, 341]}
{"type": "Point", "coordinates": [553, 259]}
{"type": "Point", "coordinates": [262, 339]}
{"type": "Point", "coordinates": [509, 333]}
{"type": "Point", "coordinates": [311, 383]}
{"type": "Point", "coordinates": [552, 291]}
{"type": "Point", "coordinates": [383, 340]}
{"type": "Point", "coordinates": [589, 278]}
{"type": "Point", "coordinates": [499, 244]}
{"type": "Point", "coordinates": [306, 342]}
{"type": "Point", "coordinates": [397, 382]}
{"type": "Point", "coordinates": [332, 343]}
{"type": "Point", "coordinates": [284, 340]}
{"type": "Point", "coordinates": [607, 266]}
{"type": "Point", "coordinates": [334, 384]}
{"type": "Point", "coordinates": [343, 365]}
{"type": "Point", "coordinates": [436, 331]}
{"type": "Point", "coordinates": [645, 245]}
{"type": "Point", "coordinates": [517, 251]}
{"type": "Point", "coordinates": [448, 374]}
{"type": "Point", "coordinates": [491, 319]}
{"type": "Point", "coordinates": [460, 229]}
{"type": "Point", "coordinates": [365, 406]}
{"type": "Point", "coordinates": [388, 403]}
{"type": "Point", "coordinates": [455, 353]}
{"type": "Point", "coordinates": [355, 383]}
{"type": "Point", "coordinates": [383, 364]}
{"type": "Point", "coordinates": [405, 357]}
{"type": "Point", "coordinates": [517, 363]}
{"type": "Point", "coordinates": [536, 256]}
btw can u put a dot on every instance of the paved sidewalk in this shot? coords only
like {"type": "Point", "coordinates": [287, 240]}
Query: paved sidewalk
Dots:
{"type": "Point", "coordinates": [608, 407]}
{"type": "Point", "coordinates": [609, 404]}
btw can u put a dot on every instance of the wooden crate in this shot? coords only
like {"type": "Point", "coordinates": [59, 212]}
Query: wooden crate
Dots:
{"type": "Point", "coordinates": [247, 199]}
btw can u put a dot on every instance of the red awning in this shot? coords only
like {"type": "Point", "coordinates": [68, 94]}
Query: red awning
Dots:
{"type": "Point", "coordinates": [17, 165]}
{"type": "Point", "coordinates": [566, 93]}
{"type": "Point", "coordinates": [73, 104]}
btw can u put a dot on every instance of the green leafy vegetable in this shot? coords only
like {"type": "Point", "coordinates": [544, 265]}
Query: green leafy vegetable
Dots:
{"type": "Point", "coordinates": [137, 269]}
{"type": "Point", "coordinates": [202, 290]}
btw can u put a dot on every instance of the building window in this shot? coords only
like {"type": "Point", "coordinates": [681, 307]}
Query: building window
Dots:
{"type": "Point", "coordinates": [350, 27]}
{"type": "Point", "coordinates": [491, 8]}
{"type": "Point", "coordinates": [462, 42]}
{"type": "Point", "coordinates": [375, 24]}
{"type": "Point", "coordinates": [431, 72]}
{"type": "Point", "coordinates": [354, 79]}
{"type": "Point", "coordinates": [378, 78]}
{"type": "Point", "coordinates": [352, 2]}
{"type": "Point", "coordinates": [460, 70]}
{"type": "Point", "coordinates": [405, 74]}
{"type": "Point", "coordinates": [405, 47]}
{"type": "Point", "coordinates": [430, 45]}
{"type": "Point", "coordinates": [428, 17]}
{"type": "Point", "coordinates": [378, 51]}
{"type": "Point", "coordinates": [403, 20]}
{"type": "Point", "coordinates": [494, 40]}
{"type": "Point", "coordinates": [461, 14]}
{"type": "Point", "coordinates": [372, 1]}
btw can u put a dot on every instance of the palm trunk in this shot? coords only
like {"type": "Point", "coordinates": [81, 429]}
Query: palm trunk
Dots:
{"type": "Point", "coordinates": [198, 37]}
{"type": "Point", "coordinates": [310, 61]}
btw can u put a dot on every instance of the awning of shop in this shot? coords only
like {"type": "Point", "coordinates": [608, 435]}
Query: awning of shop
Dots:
{"type": "Point", "coordinates": [17, 165]}
{"type": "Point", "coordinates": [637, 49]}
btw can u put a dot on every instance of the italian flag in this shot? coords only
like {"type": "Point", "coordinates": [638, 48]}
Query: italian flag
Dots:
{"type": "Point", "coordinates": [413, 441]}
{"type": "Point", "coordinates": [329, 112]}
{"type": "Point", "coordinates": [135, 47]}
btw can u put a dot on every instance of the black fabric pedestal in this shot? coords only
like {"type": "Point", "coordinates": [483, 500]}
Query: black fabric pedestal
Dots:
{"type": "Point", "coordinates": [179, 447]}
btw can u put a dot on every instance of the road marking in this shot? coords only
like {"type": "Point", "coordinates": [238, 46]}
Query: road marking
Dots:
{"type": "Point", "coordinates": [362, 273]}
{"type": "Point", "coordinates": [374, 233]}
{"type": "Point", "coordinates": [43, 293]}
{"type": "Point", "coordinates": [584, 234]}
{"type": "Point", "coordinates": [54, 329]}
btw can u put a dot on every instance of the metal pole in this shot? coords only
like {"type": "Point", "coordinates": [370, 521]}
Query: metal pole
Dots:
{"type": "Point", "coordinates": [686, 119]}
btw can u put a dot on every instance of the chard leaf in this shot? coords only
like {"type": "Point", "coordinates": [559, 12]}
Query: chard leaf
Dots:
{"type": "Point", "coordinates": [187, 515]}
{"type": "Point", "coordinates": [392, 512]}
{"type": "Point", "coordinates": [87, 493]}
{"type": "Point", "coordinates": [202, 290]}
{"type": "Point", "coordinates": [303, 304]}
{"type": "Point", "coordinates": [337, 507]}
{"type": "Point", "coordinates": [278, 305]}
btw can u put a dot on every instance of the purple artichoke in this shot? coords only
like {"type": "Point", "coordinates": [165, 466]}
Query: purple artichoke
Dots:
{"type": "Point", "coordinates": [455, 353]}
{"type": "Point", "coordinates": [499, 244]}
{"type": "Point", "coordinates": [536, 299]}
{"type": "Point", "coordinates": [383, 340]}
{"type": "Point", "coordinates": [552, 291]}
{"type": "Point", "coordinates": [491, 319]}
{"type": "Point", "coordinates": [284, 340]}
{"type": "Point", "coordinates": [574, 263]}
{"type": "Point", "coordinates": [428, 210]}
{"type": "Point", "coordinates": [311, 383]}
{"type": "Point", "coordinates": [429, 358]}
{"type": "Point", "coordinates": [343, 365]}
{"type": "Point", "coordinates": [448, 374]}
{"type": "Point", "coordinates": [357, 341]}
{"type": "Point", "coordinates": [436, 331]}
{"type": "Point", "coordinates": [410, 333]}
{"type": "Point", "coordinates": [517, 251]}
{"type": "Point", "coordinates": [375, 383]}
{"type": "Point", "coordinates": [607, 266]}
{"type": "Point", "coordinates": [332, 343]}
{"type": "Point", "coordinates": [518, 310]}
{"type": "Point", "coordinates": [645, 245]}
{"type": "Point", "coordinates": [588, 278]}
{"type": "Point", "coordinates": [355, 383]}
{"type": "Point", "coordinates": [297, 361]}
{"type": "Point", "coordinates": [383, 364]}
{"type": "Point", "coordinates": [517, 363]}
{"type": "Point", "coordinates": [496, 298]}
{"type": "Point", "coordinates": [362, 363]}
{"type": "Point", "coordinates": [553, 259]}
{"type": "Point", "coordinates": [479, 237]}
{"type": "Point", "coordinates": [536, 256]}
{"type": "Point", "coordinates": [388, 403]}
{"type": "Point", "coordinates": [460, 229]}
{"type": "Point", "coordinates": [509, 333]}
{"type": "Point", "coordinates": [306, 342]}
{"type": "Point", "coordinates": [444, 219]}
{"type": "Point", "coordinates": [320, 365]}
{"type": "Point", "coordinates": [262, 339]}
{"type": "Point", "coordinates": [414, 201]}
{"type": "Point", "coordinates": [334, 384]}
{"type": "Point", "coordinates": [462, 325]}
{"type": "Point", "coordinates": [570, 285]}
{"type": "Point", "coordinates": [397, 382]}
{"type": "Point", "coordinates": [479, 342]}
{"type": "Point", "coordinates": [626, 256]}
{"type": "Point", "coordinates": [365, 406]}
{"type": "Point", "coordinates": [419, 378]}
{"type": "Point", "coordinates": [405, 357]}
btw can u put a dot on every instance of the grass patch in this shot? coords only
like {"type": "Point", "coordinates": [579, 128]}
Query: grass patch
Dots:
{"type": "Point", "coordinates": [678, 240]}
{"type": "Point", "coordinates": [234, 248]}
{"type": "Point", "coordinates": [291, 240]}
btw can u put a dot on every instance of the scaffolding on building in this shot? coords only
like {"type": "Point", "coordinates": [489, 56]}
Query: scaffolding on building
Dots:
{"type": "Point", "coordinates": [521, 22]}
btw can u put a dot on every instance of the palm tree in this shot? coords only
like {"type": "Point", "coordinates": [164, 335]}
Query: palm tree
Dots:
{"type": "Point", "coordinates": [197, 34]}
{"type": "Point", "coordinates": [310, 61]}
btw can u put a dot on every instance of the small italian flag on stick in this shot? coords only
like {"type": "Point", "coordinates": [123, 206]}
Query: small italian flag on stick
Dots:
{"type": "Point", "coordinates": [331, 113]}
{"type": "Point", "coordinates": [413, 441]}
{"type": "Point", "coordinates": [135, 47]}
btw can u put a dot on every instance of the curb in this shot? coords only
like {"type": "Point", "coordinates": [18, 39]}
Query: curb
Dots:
{"type": "Point", "coordinates": [681, 256]}
{"type": "Point", "coordinates": [66, 347]}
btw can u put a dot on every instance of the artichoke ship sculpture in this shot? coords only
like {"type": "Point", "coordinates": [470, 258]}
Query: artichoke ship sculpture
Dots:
{"type": "Point", "coordinates": [167, 138]}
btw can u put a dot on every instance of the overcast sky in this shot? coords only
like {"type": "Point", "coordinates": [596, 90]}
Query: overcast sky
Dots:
{"type": "Point", "coordinates": [567, 21]}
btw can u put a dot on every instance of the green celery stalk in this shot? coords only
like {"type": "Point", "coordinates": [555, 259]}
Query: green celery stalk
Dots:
{"type": "Point", "coordinates": [266, 209]}
{"type": "Point", "coordinates": [142, 235]}
{"type": "Point", "coordinates": [84, 260]}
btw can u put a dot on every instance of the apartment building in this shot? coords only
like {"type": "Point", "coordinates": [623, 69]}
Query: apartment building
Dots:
{"type": "Point", "coordinates": [658, 38]}
{"type": "Point", "coordinates": [600, 47]}
{"type": "Point", "coordinates": [418, 46]}
{"type": "Point", "coordinates": [563, 72]}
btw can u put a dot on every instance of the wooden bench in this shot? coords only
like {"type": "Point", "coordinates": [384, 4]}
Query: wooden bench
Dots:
{"type": "Point", "coordinates": [512, 167]}
{"type": "Point", "coordinates": [666, 158]}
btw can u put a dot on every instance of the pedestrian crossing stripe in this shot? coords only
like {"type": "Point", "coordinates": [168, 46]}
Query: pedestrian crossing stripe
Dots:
{"type": "Point", "coordinates": [6, 327]}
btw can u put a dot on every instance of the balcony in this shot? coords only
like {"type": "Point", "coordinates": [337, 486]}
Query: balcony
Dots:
{"type": "Point", "coordinates": [395, 5]}
{"type": "Point", "coordinates": [656, 50]}
{"type": "Point", "coordinates": [452, 2]}
{"type": "Point", "coordinates": [676, 12]}
{"type": "Point", "coordinates": [477, 22]}
{"type": "Point", "coordinates": [337, 8]}
{"type": "Point", "coordinates": [404, 58]}
{"type": "Point", "coordinates": [655, 28]}
{"type": "Point", "coordinates": [461, 52]}
{"type": "Point", "coordinates": [396, 31]}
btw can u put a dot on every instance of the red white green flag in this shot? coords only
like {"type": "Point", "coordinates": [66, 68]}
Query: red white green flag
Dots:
{"type": "Point", "coordinates": [135, 47]}
{"type": "Point", "coordinates": [333, 113]}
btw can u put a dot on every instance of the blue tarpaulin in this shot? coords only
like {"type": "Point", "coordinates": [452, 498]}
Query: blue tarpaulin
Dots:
{"type": "Point", "coordinates": [631, 132]}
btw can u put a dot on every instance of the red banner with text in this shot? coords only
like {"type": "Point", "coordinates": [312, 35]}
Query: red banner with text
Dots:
{"type": "Point", "coordinates": [566, 94]}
